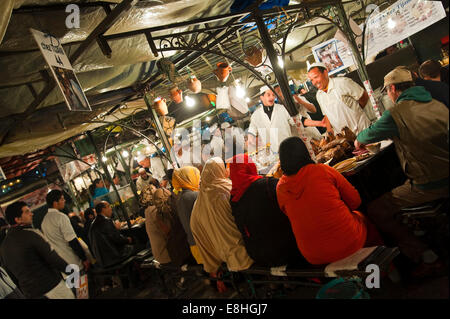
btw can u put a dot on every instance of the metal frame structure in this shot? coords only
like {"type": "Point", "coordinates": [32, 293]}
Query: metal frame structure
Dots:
{"type": "Point", "coordinates": [225, 36]}
{"type": "Point", "coordinates": [203, 39]}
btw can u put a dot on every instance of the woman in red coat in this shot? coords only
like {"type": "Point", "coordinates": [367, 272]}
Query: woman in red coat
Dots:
{"type": "Point", "coordinates": [321, 206]}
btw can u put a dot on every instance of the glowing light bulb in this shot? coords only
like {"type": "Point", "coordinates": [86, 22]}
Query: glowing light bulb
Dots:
{"type": "Point", "coordinates": [125, 154]}
{"type": "Point", "coordinates": [208, 119]}
{"type": "Point", "coordinates": [190, 102]}
{"type": "Point", "coordinates": [240, 92]}
{"type": "Point", "coordinates": [247, 100]}
{"type": "Point", "coordinates": [104, 159]}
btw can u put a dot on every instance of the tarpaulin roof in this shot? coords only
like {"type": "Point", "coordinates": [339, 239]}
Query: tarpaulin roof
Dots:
{"type": "Point", "coordinates": [107, 82]}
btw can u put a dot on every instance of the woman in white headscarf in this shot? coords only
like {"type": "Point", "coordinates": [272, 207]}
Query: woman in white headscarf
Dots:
{"type": "Point", "coordinates": [212, 223]}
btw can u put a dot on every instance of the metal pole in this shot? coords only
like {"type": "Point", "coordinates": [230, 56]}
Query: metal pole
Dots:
{"type": "Point", "coordinates": [72, 195]}
{"type": "Point", "coordinates": [362, 71]}
{"type": "Point", "coordinates": [159, 128]}
{"type": "Point", "coordinates": [127, 170]}
{"type": "Point", "coordinates": [87, 188]}
{"type": "Point", "coordinates": [280, 75]}
{"type": "Point", "coordinates": [108, 176]}
{"type": "Point", "coordinates": [277, 70]}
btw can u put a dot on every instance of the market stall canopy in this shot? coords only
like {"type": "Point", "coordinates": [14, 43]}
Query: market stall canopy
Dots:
{"type": "Point", "coordinates": [32, 109]}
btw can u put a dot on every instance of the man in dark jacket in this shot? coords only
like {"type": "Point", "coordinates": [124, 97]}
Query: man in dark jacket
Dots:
{"type": "Point", "coordinates": [107, 244]}
{"type": "Point", "coordinates": [28, 257]}
{"type": "Point", "coordinates": [418, 125]}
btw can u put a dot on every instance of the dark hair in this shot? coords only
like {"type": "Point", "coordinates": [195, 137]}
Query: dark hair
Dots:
{"type": "Point", "coordinates": [430, 68]}
{"type": "Point", "coordinates": [320, 68]}
{"type": "Point", "coordinates": [89, 212]}
{"type": "Point", "coordinates": [14, 210]}
{"type": "Point", "coordinates": [53, 196]}
{"type": "Point", "coordinates": [169, 174]}
{"type": "Point", "coordinates": [99, 207]}
{"type": "Point", "coordinates": [403, 86]}
{"type": "Point", "coordinates": [3, 222]}
{"type": "Point", "coordinates": [93, 186]}
{"type": "Point", "coordinates": [293, 155]}
{"type": "Point", "coordinates": [154, 182]}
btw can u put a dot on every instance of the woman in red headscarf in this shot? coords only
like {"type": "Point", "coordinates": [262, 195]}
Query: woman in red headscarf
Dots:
{"type": "Point", "coordinates": [266, 231]}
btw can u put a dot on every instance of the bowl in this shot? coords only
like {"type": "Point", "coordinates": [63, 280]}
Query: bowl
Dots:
{"type": "Point", "coordinates": [373, 148]}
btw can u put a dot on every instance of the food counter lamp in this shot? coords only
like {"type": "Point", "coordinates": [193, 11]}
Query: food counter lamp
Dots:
{"type": "Point", "coordinates": [190, 102]}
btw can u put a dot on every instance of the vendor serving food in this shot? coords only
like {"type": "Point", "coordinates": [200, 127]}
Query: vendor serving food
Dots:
{"type": "Point", "coordinates": [341, 99]}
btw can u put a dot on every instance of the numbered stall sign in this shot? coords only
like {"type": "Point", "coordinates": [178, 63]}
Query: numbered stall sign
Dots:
{"type": "Point", "coordinates": [62, 71]}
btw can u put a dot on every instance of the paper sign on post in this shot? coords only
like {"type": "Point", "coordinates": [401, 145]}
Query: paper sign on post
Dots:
{"type": "Point", "coordinates": [62, 71]}
{"type": "Point", "coordinates": [334, 54]}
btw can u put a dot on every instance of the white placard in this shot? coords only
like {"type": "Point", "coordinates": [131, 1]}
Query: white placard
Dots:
{"type": "Point", "coordinates": [399, 21]}
{"type": "Point", "coordinates": [62, 71]}
{"type": "Point", "coordinates": [2, 175]}
{"type": "Point", "coordinates": [334, 54]}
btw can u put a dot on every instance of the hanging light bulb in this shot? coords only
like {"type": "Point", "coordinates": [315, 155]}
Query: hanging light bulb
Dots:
{"type": "Point", "coordinates": [190, 102]}
{"type": "Point", "coordinates": [247, 99]}
{"type": "Point", "coordinates": [104, 159]}
{"type": "Point", "coordinates": [240, 92]}
{"type": "Point", "coordinates": [208, 119]}
{"type": "Point", "coordinates": [125, 154]}
{"type": "Point", "coordinates": [138, 153]}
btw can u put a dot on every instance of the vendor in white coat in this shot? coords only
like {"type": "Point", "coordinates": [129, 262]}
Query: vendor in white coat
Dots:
{"type": "Point", "coordinates": [270, 123]}
{"type": "Point", "coordinates": [341, 99]}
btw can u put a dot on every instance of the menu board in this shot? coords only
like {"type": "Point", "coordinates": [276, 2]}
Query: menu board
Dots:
{"type": "Point", "coordinates": [399, 21]}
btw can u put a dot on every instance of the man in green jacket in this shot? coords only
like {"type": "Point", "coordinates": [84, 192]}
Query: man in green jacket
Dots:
{"type": "Point", "coordinates": [418, 125]}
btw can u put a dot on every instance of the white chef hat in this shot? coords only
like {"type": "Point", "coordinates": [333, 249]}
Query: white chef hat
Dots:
{"type": "Point", "coordinates": [263, 89]}
{"type": "Point", "coordinates": [141, 170]}
{"type": "Point", "coordinates": [317, 64]}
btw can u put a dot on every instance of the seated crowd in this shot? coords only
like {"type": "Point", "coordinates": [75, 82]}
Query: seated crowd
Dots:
{"type": "Point", "coordinates": [228, 214]}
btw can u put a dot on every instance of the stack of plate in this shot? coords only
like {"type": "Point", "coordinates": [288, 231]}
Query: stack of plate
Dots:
{"type": "Point", "coordinates": [345, 165]}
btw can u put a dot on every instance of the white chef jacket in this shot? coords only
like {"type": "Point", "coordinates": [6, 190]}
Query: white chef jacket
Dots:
{"type": "Point", "coordinates": [340, 104]}
{"type": "Point", "coordinates": [272, 131]}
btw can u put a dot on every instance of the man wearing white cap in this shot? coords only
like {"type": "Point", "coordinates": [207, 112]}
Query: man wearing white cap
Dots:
{"type": "Point", "coordinates": [144, 161]}
{"type": "Point", "coordinates": [270, 122]}
{"type": "Point", "coordinates": [144, 179]}
{"type": "Point", "coordinates": [418, 125]}
{"type": "Point", "coordinates": [341, 99]}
